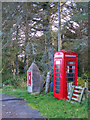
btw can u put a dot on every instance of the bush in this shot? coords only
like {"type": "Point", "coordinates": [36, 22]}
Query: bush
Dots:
{"type": "Point", "coordinates": [81, 80]}
{"type": "Point", "coordinates": [16, 81]}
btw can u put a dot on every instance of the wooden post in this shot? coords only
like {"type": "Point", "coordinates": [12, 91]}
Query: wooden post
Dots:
{"type": "Point", "coordinates": [85, 90]}
{"type": "Point", "coordinates": [47, 82]}
{"type": "Point", "coordinates": [85, 84]}
{"type": "Point", "coordinates": [81, 95]}
{"type": "Point", "coordinates": [71, 93]}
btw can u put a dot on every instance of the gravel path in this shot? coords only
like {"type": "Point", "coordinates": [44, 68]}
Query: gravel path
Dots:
{"type": "Point", "coordinates": [13, 107]}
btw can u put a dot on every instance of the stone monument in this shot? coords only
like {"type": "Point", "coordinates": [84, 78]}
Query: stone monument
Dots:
{"type": "Point", "coordinates": [34, 80]}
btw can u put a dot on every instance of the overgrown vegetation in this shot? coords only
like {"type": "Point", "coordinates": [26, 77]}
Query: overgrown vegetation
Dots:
{"type": "Point", "coordinates": [49, 106]}
{"type": "Point", "coordinates": [81, 80]}
{"type": "Point", "coordinates": [16, 81]}
{"type": "Point", "coordinates": [21, 81]}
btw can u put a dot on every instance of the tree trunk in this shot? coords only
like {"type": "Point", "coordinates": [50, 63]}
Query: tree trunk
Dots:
{"type": "Point", "coordinates": [16, 57]}
{"type": "Point", "coordinates": [26, 42]}
{"type": "Point", "coordinates": [82, 67]}
{"type": "Point", "coordinates": [50, 49]}
{"type": "Point", "coordinates": [17, 66]}
{"type": "Point", "coordinates": [25, 63]}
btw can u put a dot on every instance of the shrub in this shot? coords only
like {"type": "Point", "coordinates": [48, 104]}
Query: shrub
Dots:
{"type": "Point", "coordinates": [81, 80]}
{"type": "Point", "coordinates": [16, 81]}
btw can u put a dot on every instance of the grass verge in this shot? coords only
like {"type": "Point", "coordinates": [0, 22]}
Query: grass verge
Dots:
{"type": "Point", "coordinates": [48, 105]}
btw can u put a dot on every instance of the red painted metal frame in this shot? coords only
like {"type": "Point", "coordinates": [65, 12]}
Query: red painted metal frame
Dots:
{"type": "Point", "coordinates": [60, 56]}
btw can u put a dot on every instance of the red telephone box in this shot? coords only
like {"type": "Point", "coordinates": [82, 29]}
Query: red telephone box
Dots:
{"type": "Point", "coordinates": [65, 73]}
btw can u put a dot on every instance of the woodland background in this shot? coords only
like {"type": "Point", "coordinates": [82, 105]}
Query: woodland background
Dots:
{"type": "Point", "coordinates": [30, 34]}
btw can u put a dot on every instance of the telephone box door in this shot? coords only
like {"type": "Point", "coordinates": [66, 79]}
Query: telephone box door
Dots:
{"type": "Point", "coordinates": [57, 78]}
{"type": "Point", "coordinates": [71, 73]}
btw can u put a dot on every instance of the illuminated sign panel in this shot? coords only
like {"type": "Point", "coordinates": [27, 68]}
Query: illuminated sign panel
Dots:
{"type": "Point", "coordinates": [70, 55]}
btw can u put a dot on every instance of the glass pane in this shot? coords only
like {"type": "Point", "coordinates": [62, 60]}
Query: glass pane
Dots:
{"type": "Point", "coordinates": [57, 74]}
{"type": "Point", "coordinates": [73, 67]}
{"type": "Point", "coordinates": [69, 75]}
{"type": "Point", "coordinates": [57, 91]}
{"type": "Point", "coordinates": [57, 87]}
{"type": "Point", "coordinates": [70, 69]}
{"type": "Point", "coordinates": [57, 79]}
{"type": "Point", "coordinates": [57, 83]}
{"type": "Point", "coordinates": [57, 66]}
{"type": "Point", "coordinates": [57, 70]}
{"type": "Point", "coordinates": [70, 79]}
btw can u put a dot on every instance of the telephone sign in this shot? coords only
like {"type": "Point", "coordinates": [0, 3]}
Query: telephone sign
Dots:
{"type": "Point", "coordinates": [29, 77]}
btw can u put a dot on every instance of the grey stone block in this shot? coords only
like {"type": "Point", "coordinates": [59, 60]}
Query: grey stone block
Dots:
{"type": "Point", "coordinates": [36, 79]}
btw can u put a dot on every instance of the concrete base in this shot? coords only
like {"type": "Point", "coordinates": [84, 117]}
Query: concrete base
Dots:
{"type": "Point", "coordinates": [35, 93]}
{"type": "Point", "coordinates": [29, 88]}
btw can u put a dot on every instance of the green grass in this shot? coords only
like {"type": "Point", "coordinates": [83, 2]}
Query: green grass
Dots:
{"type": "Point", "coordinates": [49, 106]}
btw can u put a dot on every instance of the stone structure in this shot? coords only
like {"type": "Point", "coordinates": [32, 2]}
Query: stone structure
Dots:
{"type": "Point", "coordinates": [36, 80]}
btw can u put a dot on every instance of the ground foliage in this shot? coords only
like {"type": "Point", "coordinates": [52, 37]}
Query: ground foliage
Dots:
{"type": "Point", "coordinates": [50, 106]}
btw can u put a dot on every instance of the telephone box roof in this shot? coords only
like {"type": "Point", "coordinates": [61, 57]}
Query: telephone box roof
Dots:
{"type": "Point", "coordinates": [66, 52]}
